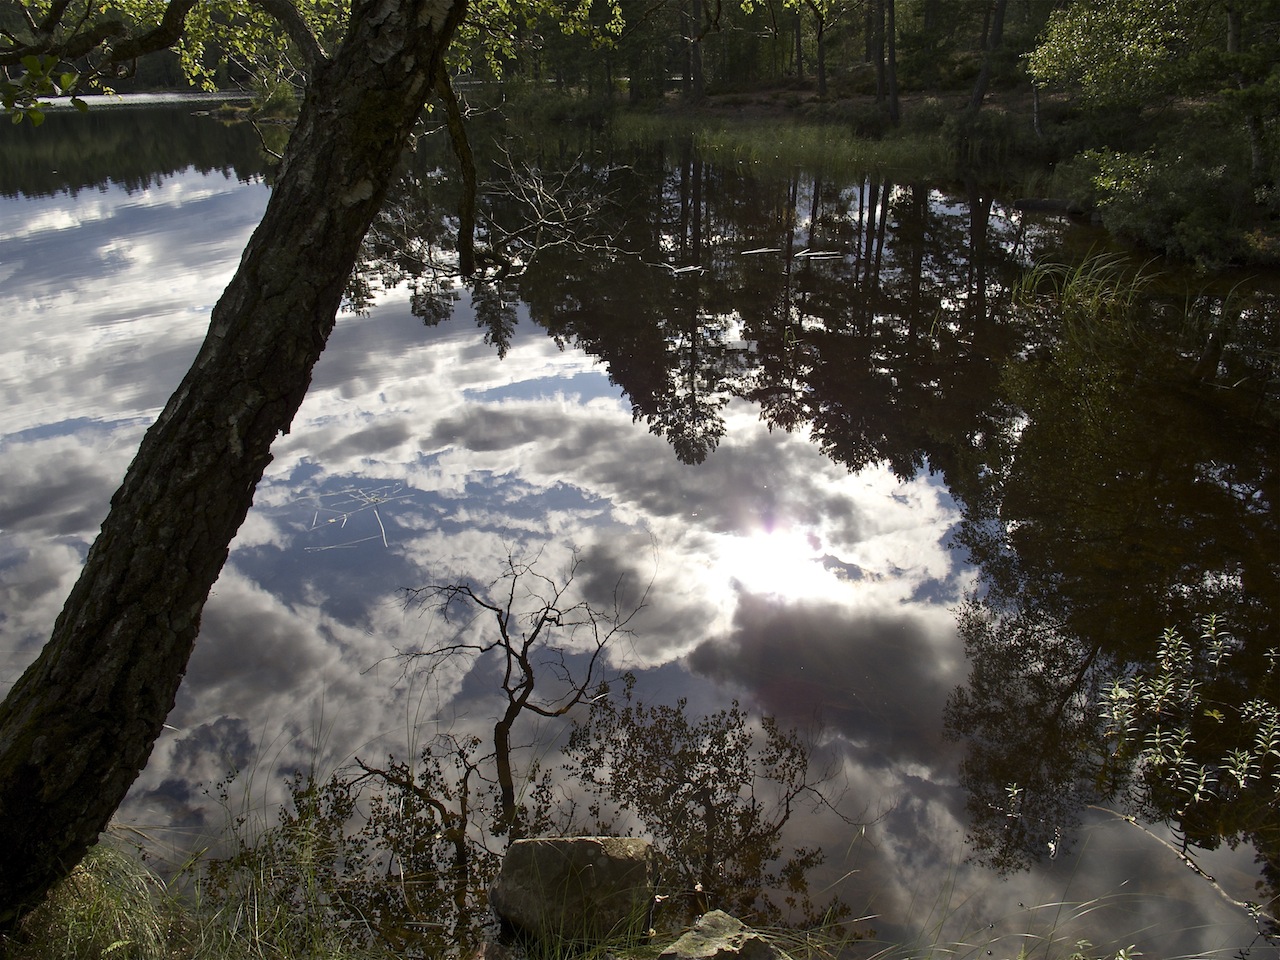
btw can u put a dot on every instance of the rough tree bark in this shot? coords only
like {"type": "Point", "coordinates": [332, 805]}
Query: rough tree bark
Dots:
{"type": "Point", "coordinates": [79, 725]}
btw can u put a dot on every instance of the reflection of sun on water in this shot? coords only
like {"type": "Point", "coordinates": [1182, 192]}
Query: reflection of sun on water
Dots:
{"type": "Point", "coordinates": [783, 562]}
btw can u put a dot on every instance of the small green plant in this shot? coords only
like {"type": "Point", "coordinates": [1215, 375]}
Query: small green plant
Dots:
{"type": "Point", "coordinates": [1197, 741]}
{"type": "Point", "coordinates": [277, 99]}
{"type": "Point", "coordinates": [1151, 720]}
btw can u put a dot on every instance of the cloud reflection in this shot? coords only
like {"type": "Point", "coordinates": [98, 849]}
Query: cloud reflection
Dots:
{"type": "Point", "coordinates": [418, 455]}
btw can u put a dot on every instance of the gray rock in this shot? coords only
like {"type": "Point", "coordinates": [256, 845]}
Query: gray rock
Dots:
{"type": "Point", "coordinates": [718, 936]}
{"type": "Point", "coordinates": [575, 889]}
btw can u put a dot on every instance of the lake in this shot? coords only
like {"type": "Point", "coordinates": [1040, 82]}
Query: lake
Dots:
{"type": "Point", "coordinates": [807, 436]}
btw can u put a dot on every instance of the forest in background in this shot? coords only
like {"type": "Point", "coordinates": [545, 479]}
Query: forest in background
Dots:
{"type": "Point", "coordinates": [1155, 118]}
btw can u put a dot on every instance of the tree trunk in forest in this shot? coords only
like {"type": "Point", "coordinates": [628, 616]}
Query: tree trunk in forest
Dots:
{"type": "Point", "coordinates": [691, 19]}
{"type": "Point", "coordinates": [79, 725]}
{"type": "Point", "coordinates": [695, 53]}
{"type": "Point", "coordinates": [877, 46]}
{"type": "Point", "coordinates": [930, 17]}
{"type": "Point", "coordinates": [891, 62]}
{"type": "Point", "coordinates": [820, 42]}
{"type": "Point", "coordinates": [799, 51]}
{"type": "Point", "coordinates": [993, 35]}
{"type": "Point", "coordinates": [869, 33]}
{"type": "Point", "coordinates": [1253, 124]}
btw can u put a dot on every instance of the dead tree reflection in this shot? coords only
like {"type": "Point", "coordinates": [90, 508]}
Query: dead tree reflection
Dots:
{"type": "Point", "coordinates": [399, 853]}
{"type": "Point", "coordinates": [532, 627]}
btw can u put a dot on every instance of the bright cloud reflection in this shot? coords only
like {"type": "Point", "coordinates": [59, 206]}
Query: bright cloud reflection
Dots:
{"type": "Point", "coordinates": [781, 562]}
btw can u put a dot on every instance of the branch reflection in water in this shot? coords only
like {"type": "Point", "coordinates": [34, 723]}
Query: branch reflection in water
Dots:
{"type": "Point", "coordinates": [399, 854]}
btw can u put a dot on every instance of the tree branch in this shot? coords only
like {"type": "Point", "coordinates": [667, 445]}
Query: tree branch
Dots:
{"type": "Point", "coordinates": [287, 15]}
{"type": "Point", "coordinates": [161, 37]}
{"type": "Point", "coordinates": [1253, 909]}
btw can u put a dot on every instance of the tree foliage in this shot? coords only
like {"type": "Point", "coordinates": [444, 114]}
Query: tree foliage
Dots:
{"type": "Point", "coordinates": [1199, 182]}
{"type": "Point", "coordinates": [1123, 52]}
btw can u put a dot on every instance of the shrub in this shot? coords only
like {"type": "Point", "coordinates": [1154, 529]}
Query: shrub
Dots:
{"type": "Point", "coordinates": [1171, 203]}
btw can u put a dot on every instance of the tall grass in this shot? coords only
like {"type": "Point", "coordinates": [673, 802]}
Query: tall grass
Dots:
{"type": "Point", "coordinates": [785, 144]}
{"type": "Point", "coordinates": [111, 905]}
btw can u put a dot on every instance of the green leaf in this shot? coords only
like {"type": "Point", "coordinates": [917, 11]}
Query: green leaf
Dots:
{"type": "Point", "coordinates": [79, 104]}
{"type": "Point", "coordinates": [36, 115]}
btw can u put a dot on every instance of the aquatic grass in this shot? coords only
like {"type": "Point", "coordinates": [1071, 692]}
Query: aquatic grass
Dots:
{"type": "Point", "coordinates": [779, 144]}
{"type": "Point", "coordinates": [1101, 287]}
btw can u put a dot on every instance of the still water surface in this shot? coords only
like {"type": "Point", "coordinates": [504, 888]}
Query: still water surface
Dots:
{"type": "Point", "coordinates": [866, 495]}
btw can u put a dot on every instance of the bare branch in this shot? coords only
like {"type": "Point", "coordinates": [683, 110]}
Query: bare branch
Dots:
{"type": "Point", "coordinates": [537, 628]}
{"type": "Point", "coordinates": [1253, 909]}
{"type": "Point", "coordinates": [407, 784]}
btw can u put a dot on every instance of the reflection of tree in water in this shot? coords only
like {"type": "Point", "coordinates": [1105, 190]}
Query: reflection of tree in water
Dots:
{"type": "Point", "coordinates": [525, 210]}
{"type": "Point", "coordinates": [860, 308]}
{"type": "Point", "coordinates": [133, 148]}
{"type": "Point", "coordinates": [1130, 490]}
{"type": "Point", "coordinates": [715, 795]}
{"type": "Point", "coordinates": [400, 853]}
{"type": "Point", "coordinates": [1116, 475]}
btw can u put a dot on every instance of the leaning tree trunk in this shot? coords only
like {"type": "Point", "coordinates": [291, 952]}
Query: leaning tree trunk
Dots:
{"type": "Point", "coordinates": [79, 725]}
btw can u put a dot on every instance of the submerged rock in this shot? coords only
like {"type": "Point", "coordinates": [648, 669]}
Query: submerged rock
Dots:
{"type": "Point", "coordinates": [575, 889]}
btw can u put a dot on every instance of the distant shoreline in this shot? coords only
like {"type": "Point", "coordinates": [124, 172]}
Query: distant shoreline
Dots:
{"type": "Point", "coordinates": [153, 98]}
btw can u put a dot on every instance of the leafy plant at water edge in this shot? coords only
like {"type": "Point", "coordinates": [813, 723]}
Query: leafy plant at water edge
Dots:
{"type": "Point", "coordinates": [1199, 734]}
{"type": "Point", "coordinates": [1182, 205]}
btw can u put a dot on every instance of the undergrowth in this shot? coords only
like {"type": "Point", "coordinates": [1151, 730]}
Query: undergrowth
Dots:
{"type": "Point", "coordinates": [114, 906]}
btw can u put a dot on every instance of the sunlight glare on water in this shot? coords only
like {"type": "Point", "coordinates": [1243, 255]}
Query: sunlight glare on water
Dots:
{"type": "Point", "coordinates": [782, 561]}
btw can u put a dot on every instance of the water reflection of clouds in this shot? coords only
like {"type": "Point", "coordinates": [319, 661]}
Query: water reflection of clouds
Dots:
{"type": "Point", "coordinates": [818, 595]}
{"type": "Point", "coordinates": [847, 671]}
{"type": "Point", "coordinates": [95, 337]}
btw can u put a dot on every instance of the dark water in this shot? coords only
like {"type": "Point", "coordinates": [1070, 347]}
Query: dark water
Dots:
{"type": "Point", "coordinates": [871, 491]}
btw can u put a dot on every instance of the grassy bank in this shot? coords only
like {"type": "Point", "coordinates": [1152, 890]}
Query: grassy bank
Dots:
{"type": "Point", "coordinates": [813, 145]}
{"type": "Point", "coordinates": [114, 906]}
{"type": "Point", "coordinates": [934, 139]}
